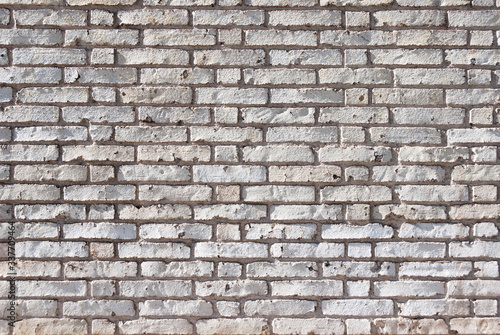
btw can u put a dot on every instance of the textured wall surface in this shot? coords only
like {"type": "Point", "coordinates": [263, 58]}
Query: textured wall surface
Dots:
{"type": "Point", "coordinates": [250, 166]}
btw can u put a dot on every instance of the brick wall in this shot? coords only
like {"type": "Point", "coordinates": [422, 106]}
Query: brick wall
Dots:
{"type": "Point", "coordinates": [250, 166]}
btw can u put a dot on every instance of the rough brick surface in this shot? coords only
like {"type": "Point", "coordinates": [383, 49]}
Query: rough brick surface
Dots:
{"type": "Point", "coordinates": [250, 166]}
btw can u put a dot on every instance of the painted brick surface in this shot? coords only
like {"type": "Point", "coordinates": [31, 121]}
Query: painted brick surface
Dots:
{"type": "Point", "coordinates": [250, 166]}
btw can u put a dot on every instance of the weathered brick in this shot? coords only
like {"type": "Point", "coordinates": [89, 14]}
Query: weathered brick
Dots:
{"type": "Point", "coordinates": [306, 212]}
{"type": "Point", "coordinates": [357, 38]}
{"type": "Point", "coordinates": [351, 232]}
{"type": "Point", "coordinates": [98, 153]}
{"type": "Point", "coordinates": [280, 37]}
{"type": "Point", "coordinates": [29, 192]}
{"type": "Point", "coordinates": [179, 37]}
{"type": "Point", "coordinates": [53, 94]}
{"type": "Point", "coordinates": [228, 18]}
{"type": "Point", "coordinates": [279, 231]}
{"type": "Point", "coordinates": [50, 133]}
{"type": "Point", "coordinates": [173, 153]}
{"type": "Point", "coordinates": [428, 116]}
{"type": "Point", "coordinates": [150, 56]}
{"type": "Point", "coordinates": [155, 95]}
{"type": "Point", "coordinates": [243, 96]}
{"type": "Point", "coordinates": [357, 307]}
{"type": "Point", "coordinates": [305, 57]}
{"type": "Point", "coordinates": [305, 18]}
{"type": "Point", "coordinates": [31, 37]}
{"type": "Point", "coordinates": [429, 154]}
{"type": "Point", "coordinates": [281, 269]}
{"type": "Point", "coordinates": [408, 288]}
{"type": "Point", "coordinates": [476, 173]}
{"type": "Point", "coordinates": [425, 37]}
{"type": "Point", "coordinates": [305, 326]}
{"type": "Point", "coordinates": [231, 288]}
{"type": "Point", "coordinates": [188, 193]}
{"type": "Point", "coordinates": [175, 307]}
{"type": "Point", "coordinates": [330, 154]}
{"type": "Point", "coordinates": [322, 173]}
{"type": "Point", "coordinates": [154, 212]}
{"type": "Point", "coordinates": [408, 173]}
{"type": "Point", "coordinates": [277, 153]}
{"type": "Point", "coordinates": [100, 230]}
{"type": "Point", "coordinates": [356, 194]}
{"type": "Point", "coordinates": [401, 325]}
{"type": "Point", "coordinates": [435, 269]}
{"type": "Point", "coordinates": [229, 173]}
{"type": "Point", "coordinates": [231, 57]}
{"type": "Point", "coordinates": [154, 326]}
{"type": "Point", "coordinates": [230, 212]}
{"type": "Point", "coordinates": [177, 76]}
{"type": "Point", "coordinates": [181, 269]}
{"type": "Point", "coordinates": [244, 326]}
{"type": "Point", "coordinates": [50, 212]}
{"type": "Point", "coordinates": [53, 326]}
{"type": "Point", "coordinates": [434, 193]}
{"type": "Point", "coordinates": [359, 269]}
{"type": "Point", "coordinates": [410, 250]}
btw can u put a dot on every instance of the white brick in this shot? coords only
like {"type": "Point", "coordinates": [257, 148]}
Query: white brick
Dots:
{"type": "Point", "coordinates": [358, 269]}
{"type": "Point", "coordinates": [256, 231]}
{"type": "Point", "coordinates": [321, 173]}
{"type": "Point", "coordinates": [180, 269]}
{"type": "Point", "coordinates": [433, 230]}
{"type": "Point", "coordinates": [306, 212]}
{"type": "Point", "coordinates": [356, 194]}
{"type": "Point", "coordinates": [280, 269]}
{"type": "Point", "coordinates": [354, 115]}
{"type": "Point", "coordinates": [243, 326]}
{"type": "Point", "coordinates": [475, 325]}
{"type": "Point", "coordinates": [154, 212]}
{"type": "Point", "coordinates": [307, 250]}
{"type": "Point", "coordinates": [408, 288]}
{"type": "Point", "coordinates": [302, 134]}
{"type": "Point", "coordinates": [435, 269]}
{"type": "Point", "coordinates": [322, 57]}
{"type": "Point", "coordinates": [434, 193]}
{"type": "Point", "coordinates": [280, 37]}
{"type": "Point", "coordinates": [400, 325]}
{"type": "Point", "coordinates": [408, 173]}
{"type": "Point", "coordinates": [357, 307]}
{"type": "Point", "coordinates": [175, 307]}
{"type": "Point", "coordinates": [410, 212]}
{"type": "Point", "coordinates": [153, 17]}
{"type": "Point", "coordinates": [175, 193]}
{"type": "Point", "coordinates": [228, 17]}
{"type": "Point", "coordinates": [230, 212]}
{"type": "Point", "coordinates": [305, 288]}
{"type": "Point", "coordinates": [154, 326]}
{"type": "Point", "coordinates": [306, 96]}
{"type": "Point", "coordinates": [278, 153]}
{"type": "Point", "coordinates": [330, 154]}
{"type": "Point", "coordinates": [410, 250]}
{"type": "Point", "coordinates": [153, 173]}
{"type": "Point", "coordinates": [320, 326]}
{"type": "Point", "coordinates": [276, 193]}
{"type": "Point", "coordinates": [434, 307]}
{"type": "Point", "coordinates": [230, 250]}
{"type": "Point", "coordinates": [231, 288]}
{"type": "Point", "coordinates": [171, 153]}
{"type": "Point", "coordinates": [351, 232]}
{"type": "Point", "coordinates": [53, 326]}
{"type": "Point", "coordinates": [99, 230]}
{"type": "Point", "coordinates": [100, 269]}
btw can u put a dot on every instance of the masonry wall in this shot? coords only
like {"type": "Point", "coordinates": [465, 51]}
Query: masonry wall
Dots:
{"type": "Point", "coordinates": [256, 167]}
